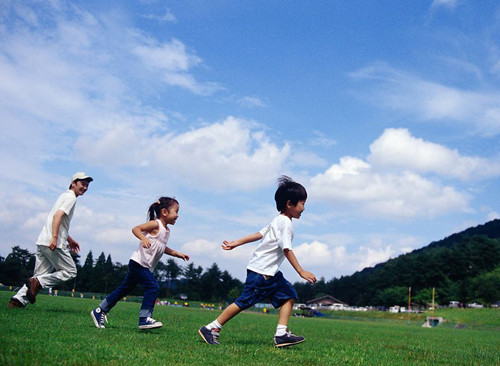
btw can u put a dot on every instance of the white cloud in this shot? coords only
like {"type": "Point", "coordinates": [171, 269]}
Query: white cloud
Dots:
{"type": "Point", "coordinates": [173, 61]}
{"type": "Point", "coordinates": [204, 252]}
{"type": "Point", "coordinates": [200, 247]}
{"type": "Point", "coordinates": [332, 256]}
{"type": "Point", "coordinates": [495, 69]}
{"type": "Point", "coordinates": [398, 149]}
{"type": "Point", "coordinates": [493, 215]}
{"type": "Point", "coordinates": [228, 155]}
{"type": "Point", "coordinates": [321, 139]}
{"type": "Point", "coordinates": [444, 3]}
{"type": "Point", "coordinates": [374, 190]}
{"type": "Point", "coordinates": [313, 254]}
{"type": "Point", "coordinates": [430, 101]}
{"type": "Point", "coordinates": [120, 146]}
{"type": "Point", "coordinates": [251, 102]}
{"type": "Point", "coordinates": [373, 256]}
{"type": "Point", "coordinates": [167, 17]}
{"type": "Point", "coordinates": [168, 56]}
{"type": "Point", "coordinates": [305, 158]}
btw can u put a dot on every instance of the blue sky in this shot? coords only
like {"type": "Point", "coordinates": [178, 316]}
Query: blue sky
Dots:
{"type": "Point", "coordinates": [387, 112]}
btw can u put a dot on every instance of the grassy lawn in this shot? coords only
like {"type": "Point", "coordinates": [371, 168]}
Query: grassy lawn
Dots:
{"type": "Point", "coordinates": [58, 330]}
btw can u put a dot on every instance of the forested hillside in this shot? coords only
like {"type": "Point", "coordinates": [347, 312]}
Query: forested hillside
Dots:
{"type": "Point", "coordinates": [464, 267]}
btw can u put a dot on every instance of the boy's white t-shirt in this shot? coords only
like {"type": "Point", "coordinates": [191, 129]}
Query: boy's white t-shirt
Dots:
{"type": "Point", "coordinates": [66, 202]}
{"type": "Point", "coordinates": [269, 255]}
{"type": "Point", "coordinates": [149, 257]}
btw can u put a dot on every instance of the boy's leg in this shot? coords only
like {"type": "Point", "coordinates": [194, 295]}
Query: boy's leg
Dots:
{"type": "Point", "coordinates": [230, 312]}
{"type": "Point", "coordinates": [210, 332]}
{"type": "Point", "coordinates": [283, 337]}
{"type": "Point", "coordinates": [252, 293]}
{"type": "Point", "coordinates": [286, 312]}
{"type": "Point", "coordinates": [286, 296]}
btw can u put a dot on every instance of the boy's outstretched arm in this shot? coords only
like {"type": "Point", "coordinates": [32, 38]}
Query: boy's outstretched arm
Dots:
{"type": "Point", "coordinates": [228, 245]}
{"type": "Point", "coordinates": [306, 275]}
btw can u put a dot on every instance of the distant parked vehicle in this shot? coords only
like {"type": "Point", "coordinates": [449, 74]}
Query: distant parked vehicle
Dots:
{"type": "Point", "coordinates": [475, 305]}
{"type": "Point", "coordinates": [337, 307]}
{"type": "Point", "coordinates": [297, 306]}
{"type": "Point", "coordinates": [454, 304]}
{"type": "Point", "coordinates": [394, 309]}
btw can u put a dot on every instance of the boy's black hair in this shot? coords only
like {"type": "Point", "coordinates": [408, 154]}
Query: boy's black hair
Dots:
{"type": "Point", "coordinates": [288, 190]}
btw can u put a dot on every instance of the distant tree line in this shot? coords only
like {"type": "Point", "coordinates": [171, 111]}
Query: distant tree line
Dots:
{"type": "Point", "coordinates": [463, 267]}
{"type": "Point", "coordinates": [103, 276]}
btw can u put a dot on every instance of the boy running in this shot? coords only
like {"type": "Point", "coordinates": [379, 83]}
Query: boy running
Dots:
{"type": "Point", "coordinates": [264, 280]}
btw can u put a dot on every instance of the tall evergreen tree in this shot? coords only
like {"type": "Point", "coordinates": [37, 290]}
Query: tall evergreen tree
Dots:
{"type": "Point", "coordinates": [17, 267]}
{"type": "Point", "coordinates": [211, 284]}
{"type": "Point", "coordinates": [191, 285]}
{"type": "Point", "coordinates": [83, 279]}
{"type": "Point", "coordinates": [98, 277]}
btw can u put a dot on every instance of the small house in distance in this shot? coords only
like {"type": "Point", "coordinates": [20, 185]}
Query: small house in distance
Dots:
{"type": "Point", "coordinates": [326, 302]}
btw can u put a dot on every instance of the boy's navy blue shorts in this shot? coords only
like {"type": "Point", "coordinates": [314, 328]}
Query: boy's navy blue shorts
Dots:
{"type": "Point", "coordinates": [258, 288]}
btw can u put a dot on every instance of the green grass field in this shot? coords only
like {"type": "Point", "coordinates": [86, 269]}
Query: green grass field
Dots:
{"type": "Point", "coordinates": [59, 330]}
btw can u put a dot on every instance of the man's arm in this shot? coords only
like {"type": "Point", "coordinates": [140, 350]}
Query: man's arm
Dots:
{"type": "Point", "coordinates": [56, 224]}
{"type": "Point", "coordinates": [306, 275]}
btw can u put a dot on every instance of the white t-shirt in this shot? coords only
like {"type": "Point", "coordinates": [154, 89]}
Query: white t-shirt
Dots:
{"type": "Point", "coordinates": [276, 237]}
{"type": "Point", "coordinates": [149, 257]}
{"type": "Point", "coordinates": [66, 202]}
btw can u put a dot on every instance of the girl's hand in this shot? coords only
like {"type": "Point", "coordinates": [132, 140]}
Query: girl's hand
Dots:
{"type": "Point", "coordinates": [145, 243]}
{"type": "Point", "coordinates": [183, 256]}
{"type": "Point", "coordinates": [229, 245]}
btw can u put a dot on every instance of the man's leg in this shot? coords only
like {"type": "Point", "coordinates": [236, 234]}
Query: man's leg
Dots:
{"type": "Point", "coordinates": [62, 262]}
{"type": "Point", "coordinates": [42, 266]}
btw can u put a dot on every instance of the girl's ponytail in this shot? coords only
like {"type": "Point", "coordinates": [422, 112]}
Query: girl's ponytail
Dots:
{"type": "Point", "coordinates": [163, 202]}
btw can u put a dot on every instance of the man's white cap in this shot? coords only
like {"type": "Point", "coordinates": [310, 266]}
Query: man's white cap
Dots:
{"type": "Point", "coordinates": [81, 176]}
